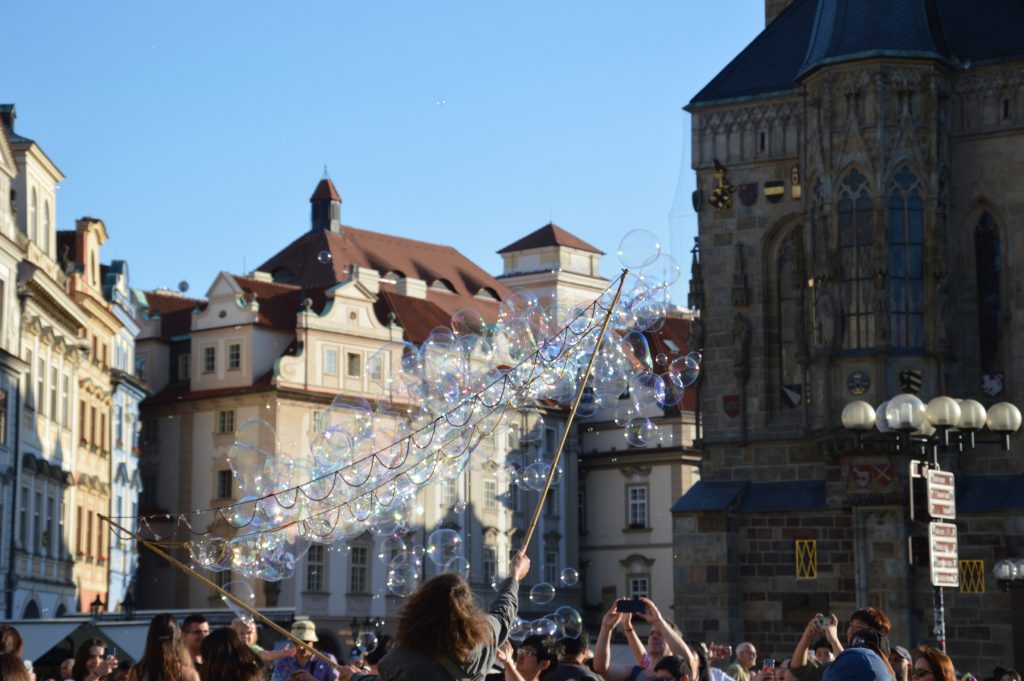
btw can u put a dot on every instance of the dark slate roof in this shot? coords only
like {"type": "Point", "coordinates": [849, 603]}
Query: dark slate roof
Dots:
{"type": "Point", "coordinates": [753, 497]}
{"type": "Point", "coordinates": [852, 29]}
{"type": "Point", "coordinates": [710, 495]}
{"type": "Point", "coordinates": [812, 33]}
{"type": "Point", "coordinates": [549, 235]}
{"type": "Point", "coordinates": [793, 495]}
{"type": "Point", "coordinates": [980, 493]}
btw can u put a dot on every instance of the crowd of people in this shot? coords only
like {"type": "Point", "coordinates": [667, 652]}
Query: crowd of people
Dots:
{"type": "Point", "coordinates": [443, 635]}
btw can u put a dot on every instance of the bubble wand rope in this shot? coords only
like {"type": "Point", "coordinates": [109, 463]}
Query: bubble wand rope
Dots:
{"type": "Point", "coordinates": [572, 413]}
{"type": "Point", "coordinates": [225, 594]}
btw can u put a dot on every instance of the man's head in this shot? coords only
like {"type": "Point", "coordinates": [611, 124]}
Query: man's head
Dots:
{"type": "Point", "coordinates": [65, 668]}
{"type": "Point", "coordinates": [574, 650]}
{"type": "Point", "coordinates": [535, 656]}
{"type": "Point", "coordinates": [305, 631]}
{"type": "Point", "coordinates": [857, 664]}
{"type": "Point", "coordinates": [868, 618]}
{"type": "Point", "coordinates": [823, 650]}
{"type": "Point", "coordinates": [746, 655]}
{"type": "Point", "coordinates": [194, 629]}
{"type": "Point", "coordinates": [901, 661]}
{"type": "Point", "coordinates": [673, 668]}
{"type": "Point", "coordinates": [656, 640]}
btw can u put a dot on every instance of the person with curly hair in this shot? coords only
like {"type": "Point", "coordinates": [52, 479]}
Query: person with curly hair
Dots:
{"type": "Point", "coordinates": [441, 632]}
{"type": "Point", "coordinates": [165, 657]}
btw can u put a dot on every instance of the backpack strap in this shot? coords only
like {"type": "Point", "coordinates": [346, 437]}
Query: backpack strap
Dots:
{"type": "Point", "coordinates": [457, 672]}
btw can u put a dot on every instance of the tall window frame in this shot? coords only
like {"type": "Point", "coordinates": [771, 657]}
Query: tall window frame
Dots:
{"type": "Point", "coordinates": [906, 260]}
{"type": "Point", "coordinates": [856, 275]}
{"type": "Point", "coordinates": [359, 569]}
{"type": "Point", "coordinates": [316, 568]}
{"type": "Point", "coordinates": [636, 507]}
{"type": "Point", "coordinates": [989, 274]}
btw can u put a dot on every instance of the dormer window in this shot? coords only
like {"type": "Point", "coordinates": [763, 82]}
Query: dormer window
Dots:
{"type": "Point", "coordinates": [442, 285]}
{"type": "Point", "coordinates": [392, 276]}
{"type": "Point", "coordinates": [486, 293]}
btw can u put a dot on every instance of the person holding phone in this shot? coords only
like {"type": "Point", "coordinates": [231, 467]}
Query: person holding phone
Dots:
{"type": "Point", "coordinates": [93, 661]}
{"type": "Point", "coordinates": [664, 639]}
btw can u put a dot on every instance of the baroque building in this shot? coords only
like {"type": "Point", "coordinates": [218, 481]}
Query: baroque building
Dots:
{"type": "Point", "coordinates": [857, 193]}
{"type": "Point", "coordinates": [321, 320]}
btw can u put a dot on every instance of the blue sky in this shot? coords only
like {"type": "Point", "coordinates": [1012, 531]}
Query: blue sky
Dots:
{"type": "Point", "coordinates": [197, 131]}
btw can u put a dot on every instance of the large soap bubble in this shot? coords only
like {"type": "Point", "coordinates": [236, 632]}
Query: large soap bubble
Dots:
{"type": "Point", "coordinates": [443, 546]}
{"type": "Point", "coordinates": [638, 249]}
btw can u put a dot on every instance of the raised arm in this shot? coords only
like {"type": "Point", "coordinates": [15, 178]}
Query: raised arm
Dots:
{"type": "Point", "coordinates": [636, 646]}
{"type": "Point", "coordinates": [673, 640]}
{"type": "Point", "coordinates": [603, 651]}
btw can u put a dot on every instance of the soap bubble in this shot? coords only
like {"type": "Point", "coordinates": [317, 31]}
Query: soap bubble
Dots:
{"type": "Point", "coordinates": [468, 321]}
{"type": "Point", "coordinates": [324, 257]}
{"type": "Point", "coordinates": [367, 641]}
{"type": "Point", "coordinates": [389, 548]}
{"type": "Point", "coordinates": [243, 592]}
{"type": "Point", "coordinates": [519, 630]}
{"type": "Point", "coordinates": [684, 370]}
{"type": "Point", "coordinates": [443, 546]}
{"type": "Point", "coordinates": [639, 248]}
{"type": "Point", "coordinates": [542, 593]}
{"type": "Point", "coordinates": [458, 566]}
{"type": "Point", "coordinates": [544, 627]}
{"type": "Point", "coordinates": [569, 621]}
{"type": "Point", "coordinates": [570, 576]}
{"type": "Point", "coordinates": [183, 286]}
{"type": "Point", "coordinates": [640, 431]}
{"type": "Point", "coordinates": [496, 581]}
{"type": "Point", "coordinates": [403, 580]}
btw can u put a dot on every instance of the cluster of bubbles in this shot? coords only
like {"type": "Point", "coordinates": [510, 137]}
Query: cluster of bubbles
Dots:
{"type": "Point", "coordinates": [436, 403]}
{"type": "Point", "coordinates": [564, 622]}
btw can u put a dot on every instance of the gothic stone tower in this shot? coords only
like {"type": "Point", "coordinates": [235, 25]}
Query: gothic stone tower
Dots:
{"type": "Point", "coordinates": [858, 179]}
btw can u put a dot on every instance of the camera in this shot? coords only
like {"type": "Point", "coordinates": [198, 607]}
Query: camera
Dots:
{"type": "Point", "coordinates": [821, 621]}
{"type": "Point", "coordinates": [630, 605]}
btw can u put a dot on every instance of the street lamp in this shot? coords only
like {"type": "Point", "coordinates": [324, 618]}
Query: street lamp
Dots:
{"type": "Point", "coordinates": [906, 419]}
{"type": "Point", "coordinates": [906, 423]}
{"type": "Point", "coordinates": [96, 607]}
{"type": "Point", "coordinates": [128, 607]}
{"type": "Point", "coordinates": [1009, 574]}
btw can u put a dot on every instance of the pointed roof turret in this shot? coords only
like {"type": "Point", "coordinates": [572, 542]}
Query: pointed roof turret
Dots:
{"type": "Point", "coordinates": [325, 211]}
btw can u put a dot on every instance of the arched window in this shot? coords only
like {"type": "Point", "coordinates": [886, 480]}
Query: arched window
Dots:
{"type": "Point", "coordinates": [792, 347]}
{"type": "Point", "coordinates": [988, 266]}
{"type": "Point", "coordinates": [855, 261]}
{"type": "Point", "coordinates": [906, 261]}
{"type": "Point", "coordinates": [33, 217]}
{"type": "Point", "coordinates": [46, 226]}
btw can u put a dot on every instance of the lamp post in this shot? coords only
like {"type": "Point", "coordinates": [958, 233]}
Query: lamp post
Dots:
{"type": "Point", "coordinates": [1009, 574]}
{"type": "Point", "coordinates": [906, 424]}
{"type": "Point", "coordinates": [96, 607]}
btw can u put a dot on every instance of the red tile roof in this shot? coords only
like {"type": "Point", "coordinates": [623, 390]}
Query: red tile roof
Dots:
{"type": "Point", "coordinates": [325, 191]}
{"type": "Point", "coordinates": [549, 235]}
{"type": "Point", "coordinates": [320, 258]}
{"type": "Point", "coordinates": [174, 310]}
{"type": "Point", "coordinates": [676, 330]}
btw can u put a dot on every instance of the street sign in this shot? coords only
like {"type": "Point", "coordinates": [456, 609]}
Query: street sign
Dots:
{"type": "Point", "coordinates": [941, 495]}
{"type": "Point", "coordinates": [943, 555]}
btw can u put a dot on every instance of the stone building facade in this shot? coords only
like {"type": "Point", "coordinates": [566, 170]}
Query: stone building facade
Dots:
{"type": "Point", "coordinates": [858, 194]}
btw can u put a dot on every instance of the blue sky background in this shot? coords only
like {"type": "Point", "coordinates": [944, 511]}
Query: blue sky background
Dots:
{"type": "Point", "coordinates": [197, 131]}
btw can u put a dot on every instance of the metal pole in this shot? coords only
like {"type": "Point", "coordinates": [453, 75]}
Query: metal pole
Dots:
{"type": "Point", "coordinates": [939, 631]}
{"type": "Point", "coordinates": [572, 414]}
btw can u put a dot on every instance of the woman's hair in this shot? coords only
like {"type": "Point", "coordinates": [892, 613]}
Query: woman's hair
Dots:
{"type": "Point", "coordinates": [10, 640]}
{"type": "Point", "coordinates": [12, 668]}
{"type": "Point", "coordinates": [79, 672]}
{"type": "Point", "coordinates": [941, 665]}
{"type": "Point", "coordinates": [874, 618]}
{"type": "Point", "coordinates": [165, 654]}
{"type": "Point", "coordinates": [674, 665]}
{"type": "Point", "coordinates": [441, 618]}
{"type": "Point", "coordinates": [1012, 673]}
{"type": "Point", "coordinates": [226, 656]}
{"type": "Point", "coordinates": [384, 644]}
